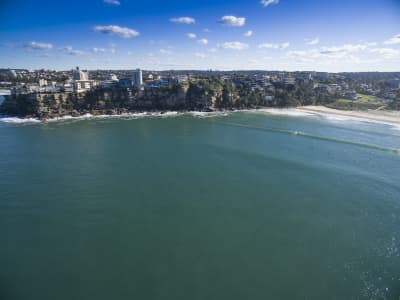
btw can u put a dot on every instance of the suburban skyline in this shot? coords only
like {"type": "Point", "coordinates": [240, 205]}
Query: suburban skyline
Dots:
{"type": "Point", "coordinates": [339, 36]}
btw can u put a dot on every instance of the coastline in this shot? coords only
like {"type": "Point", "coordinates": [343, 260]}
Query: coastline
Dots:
{"type": "Point", "coordinates": [382, 117]}
{"type": "Point", "coordinates": [370, 115]}
{"type": "Point", "coordinates": [127, 115]}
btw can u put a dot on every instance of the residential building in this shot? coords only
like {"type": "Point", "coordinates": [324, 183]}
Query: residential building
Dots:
{"type": "Point", "coordinates": [80, 75]}
{"type": "Point", "coordinates": [137, 78]}
{"type": "Point", "coordinates": [125, 83]}
{"type": "Point", "coordinates": [83, 85]}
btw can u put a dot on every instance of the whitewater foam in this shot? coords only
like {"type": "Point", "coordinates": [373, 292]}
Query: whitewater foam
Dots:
{"type": "Point", "coordinates": [126, 116]}
{"type": "Point", "coordinates": [296, 112]}
{"type": "Point", "coordinates": [203, 114]}
{"type": "Point", "coordinates": [116, 116]}
{"type": "Point", "coordinates": [291, 112]}
{"type": "Point", "coordinates": [354, 119]}
{"type": "Point", "coordinates": [16, 120]}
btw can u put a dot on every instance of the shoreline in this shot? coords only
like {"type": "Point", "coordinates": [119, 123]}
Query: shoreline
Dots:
{"type": "Point", "coordinates": [379, 116]}
{"type": "Point", "coordinates": [128, 115]}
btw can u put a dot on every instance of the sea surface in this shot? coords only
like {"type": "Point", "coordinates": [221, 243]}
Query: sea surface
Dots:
{"type": "Point", "coordinates": [272, 204]}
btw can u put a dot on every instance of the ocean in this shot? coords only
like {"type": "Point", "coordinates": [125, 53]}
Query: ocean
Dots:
{"type": "Point", "coordinates": [273, 204]}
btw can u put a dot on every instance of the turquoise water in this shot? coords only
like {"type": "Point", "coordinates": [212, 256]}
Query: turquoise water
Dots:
{"type": "Point", "coordinates": [238, 206]}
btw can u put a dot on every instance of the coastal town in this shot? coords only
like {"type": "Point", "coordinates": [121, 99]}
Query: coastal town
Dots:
{"type": "Point", "coordinates": [46, 94]}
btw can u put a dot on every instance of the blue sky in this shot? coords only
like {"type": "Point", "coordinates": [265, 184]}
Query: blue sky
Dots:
{"type": "Point", "coordinates": [341, 35]}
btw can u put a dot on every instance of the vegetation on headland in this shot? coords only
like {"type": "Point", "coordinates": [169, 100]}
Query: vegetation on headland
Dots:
{"type": "Point", "coordinates": [363, 102]}
{"type": "Point", "coordinates": [395, 105]}
{"type": "Point", "coordinates": [203, 93]}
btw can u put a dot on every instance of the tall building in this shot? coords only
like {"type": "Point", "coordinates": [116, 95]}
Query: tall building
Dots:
{"type": "Point", "coordinates": [81, 81]}
{"type": "Point", "coordinates": [80, 75]}
{"type": "Point", "coordinates": [137, 78]}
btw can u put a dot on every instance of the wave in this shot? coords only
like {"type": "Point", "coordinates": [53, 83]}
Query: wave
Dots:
{"type": "Point", "coordinates": [196, 114]}
{"type": "Point", "coordinates": [294, 112]}
{"type": "Point", "coordinates": [116, 116]}
{"type": "Point", "coordinates": [203, 114]}
{"type": "Point", "coordinates": [291, 112]}
{"type": "Point", "coordinates": [314, 136]}
{"type": "Point", "coordinates": [343, 118]}
{"type": "Point", "coordinates": [16, 120]}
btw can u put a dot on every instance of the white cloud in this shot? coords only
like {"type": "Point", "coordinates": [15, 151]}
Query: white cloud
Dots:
{"type": "Point", "coordinates": [183, 20]}
{"type": "Point", "coordinates": [342, 60]}
{"type": "Point", "coordinates": [77, 53]}
{"type": "Point", "coordinates": [248, 33]}
{"type": "Point", "coordinates": [266, 3]}
{"type": "Point", "coordinates": [233, 21]}
{"type": "Point", "coordinates": [386, 52]}
{"type": "Point", "coordinates": [203, 42]}
{"type": "Point", "coordinates": [200, 55]}
{"type": "Point", "coordinates": [234, 45]}
{"type": "Point", "coordinates": [393, 41]}
{"type": "Point", "coordinates": [309, 54]}
{"type": "Point", "coordinates": [191, 35]}
{"type": "Point", "coordinates": [69, 50]}
{"type": "Point", "coordinates": [38, 46]}
{"type": "Point", "coordinates": [112, 2]}
{"type": "Point", "coordinates": [339, 52]}
{"type": "Point", "coordinates": [112, 49]}
{"type": "Point", "coordinates": [274, 46]}
{"type": "Point", "coordinates": [313, 41]}
{"type": "Point", "coordinates": [344, 49]}
{"type": "Point", "coordinates": [166, 52]}
{"type": "Point", "coordinates": [124, 32]}
{"type": "Point", "coordinates": [99, 50]}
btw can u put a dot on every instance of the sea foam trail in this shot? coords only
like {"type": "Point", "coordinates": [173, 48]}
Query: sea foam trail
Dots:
{"type": "Point", "coordinates": [337, 118]}
{"type": "Point", "coordinates": [313, 136]}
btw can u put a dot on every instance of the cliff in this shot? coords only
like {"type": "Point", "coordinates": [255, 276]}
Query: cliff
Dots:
{"type": "Point", "coordinates": [111, 101]}
{"type": "Point", "coordinates": [204, 94]}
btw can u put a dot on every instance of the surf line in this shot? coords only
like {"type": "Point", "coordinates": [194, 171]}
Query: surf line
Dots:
{"type": "Point", "coordinates": [312, 136]}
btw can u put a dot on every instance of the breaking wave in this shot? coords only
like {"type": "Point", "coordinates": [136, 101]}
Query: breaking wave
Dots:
{"type": "Point", "coordinates": [16, 120]}
{"type": "Point", "coordinates": [314, 136]}
{"type": "Point", "coordinates": [195, 114]}
{"type": "Point", "coordinates": [290, 112]}
{"type": "Point", "coordinates": [294, 112]}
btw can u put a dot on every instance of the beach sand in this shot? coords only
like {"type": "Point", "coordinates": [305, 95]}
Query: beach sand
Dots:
{"type": "Point", "coordinates": [373, 115]}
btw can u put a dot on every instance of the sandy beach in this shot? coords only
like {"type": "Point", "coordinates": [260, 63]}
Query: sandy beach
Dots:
{"type": "Point", "coordinates": [373, 115]}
